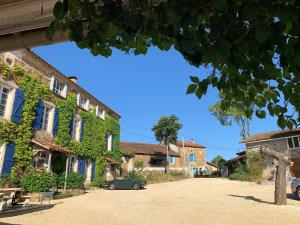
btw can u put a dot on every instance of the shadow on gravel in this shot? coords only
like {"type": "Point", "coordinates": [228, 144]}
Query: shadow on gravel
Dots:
{"type": "Point", "coordinates": [9, 223]}
{"type": "Point", "coordinates": [251, 198]}
{"type": "Point", "coordinates": [23, 210]}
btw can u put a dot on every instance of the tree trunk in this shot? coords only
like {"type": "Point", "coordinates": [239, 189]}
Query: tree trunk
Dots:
{"type": "Point", "coordinates": [167, 169]}
{"type": "Point", "coordinates": [280, 182]}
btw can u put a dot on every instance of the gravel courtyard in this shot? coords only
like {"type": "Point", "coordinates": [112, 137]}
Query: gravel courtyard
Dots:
{"type": "Point", "coordinates": [193, 201]}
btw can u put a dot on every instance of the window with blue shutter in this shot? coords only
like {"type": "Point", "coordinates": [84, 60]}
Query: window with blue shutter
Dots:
{"type": "Point", "coordinates": [71, 126]}
{"type": "Point", "coordinates": [191, 157]}
{"type": "Point", "coordinates": [81, 130]}
{"type": "Point", "coordinates": [93, 169]}
{"type": "Point", "coordinates": [81, 166]}
{"type": "Point", "coordinates": [16, 116]}
{"type": "Point", "coordinates": [37, 123]}
{"type": "Point", "coordinates": [171, 159]}
{"type": "Point", "coordinates": [55, 121]}
{"type": "Point", "coordinates": [8, 159]}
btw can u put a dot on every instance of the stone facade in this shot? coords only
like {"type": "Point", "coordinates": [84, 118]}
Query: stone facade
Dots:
{"type": "Point", "coordinates": [277, 144]}
{"type": "Point", "coordinates": [32, 63]}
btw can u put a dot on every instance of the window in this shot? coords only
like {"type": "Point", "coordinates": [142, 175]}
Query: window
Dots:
{"type": "Point", "coordinates": [192, 157]}
{"type": "Point", "coordinates": [3, 100]}
{"type": "Point", "coordinates": [109, 141]}
{"type": "Point", "coordinates": [58, 87]}
{"type": "Point", "coordinates": [75, 127]}
{"type": "Point", "coordinates": [45, 118]}
{"type": "Point", "coordinates": [82, 102]}
{"type": "Point", "coordinates": [171, 159]}
{"type": "Point", "coordinates": [293, 142]}
{"type": "Point", "coordinates": [100, 112]}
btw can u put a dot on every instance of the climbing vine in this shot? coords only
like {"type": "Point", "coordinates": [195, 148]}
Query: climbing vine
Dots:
{"type": "Point", "coordinates": [21, 134]}
{"type": "Point", "coordinates": [93, 143]}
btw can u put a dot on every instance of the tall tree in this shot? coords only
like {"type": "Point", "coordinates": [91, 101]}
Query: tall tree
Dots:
{"type": "Point", "coordinates": [252, 48]}
{"type": "Point", "coordinates": [219, 161]}
{"type": "Point", "coordinates": [236, 112]}
{"type": "Point", "coordinates": [166, 132]}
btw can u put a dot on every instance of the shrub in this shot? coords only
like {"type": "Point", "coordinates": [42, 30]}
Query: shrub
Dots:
{"type": "Point", "coordinates": [38, 181]}
{"type": "Point", "coordinates": [252, 170]}
{"type": "Point", "coordinates": [74, 181]}
{"type": "Point", "coordinates": [139, 165]}
{"type": "Point", "coordinates": [135, 175]}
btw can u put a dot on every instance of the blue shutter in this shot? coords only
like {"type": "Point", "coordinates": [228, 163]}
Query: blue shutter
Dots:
{"type": "Point", "coordinates": [55, 121]}
{"type": "Point", "coordinates": [93, 169]}
{"type": "Point", "coordinates": [81, 130]}
{"type": "Point", "coordinates": [195, 157]}
{"type": "Point", "coordinates": [8, 159]}
{"type": "Point", "coordinates": [16, 116]}
{"type": "Point", "coordinates": [191, 157]}
{"type": "Point", "coordinates": [81, 165]}
{"type": "Point", "coordinates": [37, 123]}
{"type": "Point", "coordinates": [71, 126]}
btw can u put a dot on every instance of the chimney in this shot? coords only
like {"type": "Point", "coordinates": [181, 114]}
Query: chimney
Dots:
{"type": "Point", "coordinates": [73, 79]}
{"type": "Point", "coordinates": [193, 140]}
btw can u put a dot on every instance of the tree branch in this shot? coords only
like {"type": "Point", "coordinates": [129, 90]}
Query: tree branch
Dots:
{"type": "Point", "coordinates": [277, 155]}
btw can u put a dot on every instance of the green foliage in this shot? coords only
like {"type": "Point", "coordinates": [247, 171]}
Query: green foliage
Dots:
{"type": "Point", "coordinates": [235, 112]}
{"type": "Point", "coordinates": [251, 170]}
{"type": "Point", "coordinates": [166, 129]}
{"type": "Point", "coordinates": [219, 161]}
{"type": "Point", "coordinates": [74, 181]}
{"type": "Point", "coordinates": [139, 165]}
{"type": "Point", "coordinates": [93, 144]}
{"type": "Point", "coordinates": [159, 177]}
{"type": "Point", "coordinates": [38, 181]}
{"type": "Point", "coordinates": [251, 47]}
{"type": "Point", "coordinates": [128, 154]}
{"type": "Point", "coordinates": [135, 175]}
{"type": "Point", "coordinates": [21, 134]}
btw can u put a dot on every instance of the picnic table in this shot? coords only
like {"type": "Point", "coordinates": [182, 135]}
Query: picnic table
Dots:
{"type": "Point", "coordinates": [10, 196]}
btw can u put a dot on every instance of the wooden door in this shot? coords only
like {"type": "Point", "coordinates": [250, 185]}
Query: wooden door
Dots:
{"type": "Point", "coordinates": [295, 169]}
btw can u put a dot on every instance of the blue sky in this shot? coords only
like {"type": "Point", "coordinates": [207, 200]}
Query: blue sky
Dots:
{"type": "Point", "coordinates": [143, 88]}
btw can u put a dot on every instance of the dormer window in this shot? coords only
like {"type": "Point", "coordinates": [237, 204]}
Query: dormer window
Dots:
{"type": "Point", "coordinates": [100, 112]}
{"type": "Point", "coordinates": [58, 87]}
{"type": "Point", "coordinates": [82, 102]}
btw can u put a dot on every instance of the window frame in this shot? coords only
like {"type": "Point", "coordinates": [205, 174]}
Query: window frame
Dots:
{"type": "Point", "coordinates": [46, 111]}
{"type": "Point", "coordinates": [86, 105]}
{"type": "Point", "coordinates": [109, 144]}
{"type": "Point", "coordinates": [3, 86]}
{"type": "Point", "coordinates": [75, 135]}
{"type": "Point", "coordinates": [293, 142]}
{"type": "Point", "coordinates": [173, 159]}
{"type": "Point", "coordinates": [54, 82]}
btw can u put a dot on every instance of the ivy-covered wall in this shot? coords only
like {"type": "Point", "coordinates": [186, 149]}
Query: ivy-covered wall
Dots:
{"type": "Point", "coordinates": [93, 144]}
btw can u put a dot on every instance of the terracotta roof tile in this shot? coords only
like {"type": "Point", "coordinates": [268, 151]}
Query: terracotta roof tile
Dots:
{"type": "Point", "coordinates": [53, 147]}
{"type": "Point", "coordinates": [189, 144]}
{"type": "Point", "coordinates": [272, 135]}
{"type": "Point", "coordinates": [145, 149]}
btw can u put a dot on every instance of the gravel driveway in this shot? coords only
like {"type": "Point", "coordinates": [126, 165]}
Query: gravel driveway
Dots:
{"type": "Point", "coordinates": [193, 201]}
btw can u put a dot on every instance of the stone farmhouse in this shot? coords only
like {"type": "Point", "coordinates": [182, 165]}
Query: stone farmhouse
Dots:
{"type": "Point", "coordinates": [183, 156]}
{"type": "Point", "coordinates": [58, 138]}
{"type": "Point", "coordinates": [282, 140]}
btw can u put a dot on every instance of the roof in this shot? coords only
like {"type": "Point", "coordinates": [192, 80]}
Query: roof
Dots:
{"type": "Point", "coordinates": [145, 149]}
{"type": "Point", "coordinates": [235, 159]}
{"type": "Point", "coordinates": [53, 147]}
{"type": "Point", "coordinates": [111, 161]}
{"type": "Point", "coordinates": [67, 80]}
{"type": "Point", "coordinates": [189, 144]}
{"type": "Point", "coordinates": [272, 135]}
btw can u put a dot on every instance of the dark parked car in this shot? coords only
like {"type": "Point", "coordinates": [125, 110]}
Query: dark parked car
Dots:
{"type": "Point", "coordinates": [124, 184]}
{"type": "Point", "coordinates": [295, 186]}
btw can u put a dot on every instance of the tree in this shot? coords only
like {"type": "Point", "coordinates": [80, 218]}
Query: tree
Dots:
{"type": "Point", "coordinates": [219, 161]}
{"type": "Point", "coordinates": [236, 112]}
{"type": "Point", "coordinates": [251, 48]}
{"type": "Point", "coordinates": [280, 183]}
{"type": "Point", "coordinates": [166, 132]}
